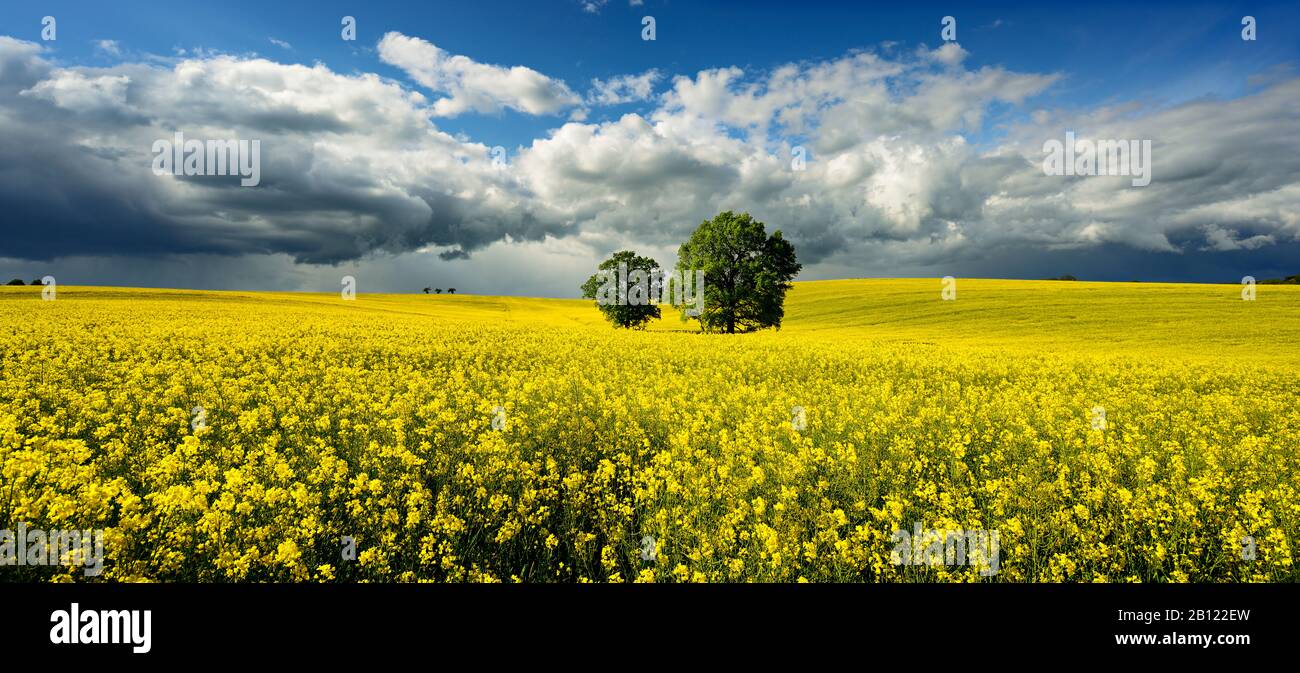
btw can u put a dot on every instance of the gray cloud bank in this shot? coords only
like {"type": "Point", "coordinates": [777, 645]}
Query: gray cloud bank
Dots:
{"type": "Point", "coordinates": [355, 170]}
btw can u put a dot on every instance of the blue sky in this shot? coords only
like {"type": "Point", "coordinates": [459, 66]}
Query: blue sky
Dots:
{"type": "Point", "coordinates": [1163, 52]}
{"type": "Point", "coordinates": [1144, 59]}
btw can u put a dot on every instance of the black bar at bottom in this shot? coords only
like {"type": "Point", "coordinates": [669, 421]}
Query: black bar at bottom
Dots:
{"type": "Point", "coordinates": [337, 623]}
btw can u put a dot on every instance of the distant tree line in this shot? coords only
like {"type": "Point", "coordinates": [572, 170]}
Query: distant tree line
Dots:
{"type": "Point", "coordinates": [438, 290]}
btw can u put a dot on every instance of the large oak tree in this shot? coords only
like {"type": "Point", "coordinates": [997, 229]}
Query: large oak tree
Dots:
{"type": "Point", "coordinates": [746, 273]}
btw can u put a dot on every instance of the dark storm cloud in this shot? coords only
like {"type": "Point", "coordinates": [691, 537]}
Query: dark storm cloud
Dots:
{"type": "Point", "coordinates": [1120, 263]}
{"type": "Point", "coordinates": [348, 165]}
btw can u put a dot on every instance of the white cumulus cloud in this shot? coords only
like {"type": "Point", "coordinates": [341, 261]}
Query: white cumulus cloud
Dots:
{"type": "Point", "coordinates": [472, 86]}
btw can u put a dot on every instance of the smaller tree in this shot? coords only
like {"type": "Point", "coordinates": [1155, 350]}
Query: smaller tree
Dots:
{"type": "Point", "coordinates": [623, 306]}
{"type": "Point", "coordinates": [16, 281]}
{"type": "Point", "coordinates": [451, 290]}
{"type": "Point", "coordinates": [426, 290]}
{"type": "Point", "coordinates": [437, 290]}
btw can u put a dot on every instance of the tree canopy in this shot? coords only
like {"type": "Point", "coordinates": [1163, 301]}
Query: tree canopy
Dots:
{"type": "Point", "coordinates": [746, 273]}
{"type": "Point", "coordinates": [621, 307]}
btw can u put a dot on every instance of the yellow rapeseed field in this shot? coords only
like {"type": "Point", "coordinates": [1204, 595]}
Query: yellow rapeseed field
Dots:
{"type": "Point", "coordinates": [1108, 432]}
